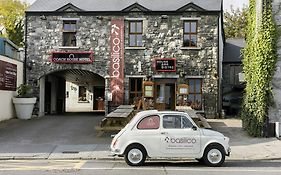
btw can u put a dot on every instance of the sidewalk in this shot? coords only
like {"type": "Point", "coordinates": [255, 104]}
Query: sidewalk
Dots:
{"type": "Point", "coordinates": [243, 147]}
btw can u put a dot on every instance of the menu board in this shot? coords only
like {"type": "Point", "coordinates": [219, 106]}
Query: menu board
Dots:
{"type": "Point", "coordinates": [165, 65]}
{"type": "Point", "coordinates": [8, 76]}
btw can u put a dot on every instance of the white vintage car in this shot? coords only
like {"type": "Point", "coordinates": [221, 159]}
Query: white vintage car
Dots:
{"type": "Point", "coordinates": [169, 134]}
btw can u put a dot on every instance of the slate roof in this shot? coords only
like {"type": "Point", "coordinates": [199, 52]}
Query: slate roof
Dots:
{"type": "Point", "coordinates": [119, 5]}
{"type": "Point", "coordinates": [232, 50]}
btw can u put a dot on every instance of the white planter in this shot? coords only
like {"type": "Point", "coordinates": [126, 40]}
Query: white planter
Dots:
{"type": "Point", "coordinates": [24, 107]}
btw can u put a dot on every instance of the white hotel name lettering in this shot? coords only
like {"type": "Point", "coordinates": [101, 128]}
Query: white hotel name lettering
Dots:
{"type": "Point", "coordinates": [115, 55]}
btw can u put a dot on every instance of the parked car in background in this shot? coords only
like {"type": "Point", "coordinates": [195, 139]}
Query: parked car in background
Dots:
{"type": "Point", "coordinates": [169, 134]}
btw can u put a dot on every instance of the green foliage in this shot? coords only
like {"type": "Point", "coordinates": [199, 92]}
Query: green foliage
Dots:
{"type": "Point", "coordinates": [11, 20]}
{"type": "Point", "coordinates": [235, 23]}
{"type": "Point", "coordinates": [260, 55]}
{"type": "Point", "coordinates": [24, 91]}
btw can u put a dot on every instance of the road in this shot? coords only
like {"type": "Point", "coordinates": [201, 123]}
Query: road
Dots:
{"type": "Point", "coordinates": [110, 167]}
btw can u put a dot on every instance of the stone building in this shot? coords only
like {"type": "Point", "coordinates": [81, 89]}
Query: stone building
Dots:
{"type": "Point", "coordinates": [86, 55]}
{"type": "Point", "coordinates": [275, 110]}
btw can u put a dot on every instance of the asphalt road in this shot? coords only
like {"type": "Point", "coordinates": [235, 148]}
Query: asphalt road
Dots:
{"type": "Point", "coordinates": [105, 167]}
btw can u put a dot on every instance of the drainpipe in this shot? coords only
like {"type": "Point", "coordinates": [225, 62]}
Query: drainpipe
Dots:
{"type": "Point", "coordinates": [25, 50]}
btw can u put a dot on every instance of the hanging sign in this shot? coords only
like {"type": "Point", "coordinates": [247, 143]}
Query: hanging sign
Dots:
{"type": "Point", "coordinates": [8, 76]}
{"type": "Point", "coordinates": [165, 65]}
{"type": "Point", "coordinates": [72, 57]}
{"type": "Point", "coordinates": [117, 61]}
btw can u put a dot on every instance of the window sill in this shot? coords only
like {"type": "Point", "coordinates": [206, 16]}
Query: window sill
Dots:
{"type": "Point", "coordinates": [83, 102]}
{"type": "Point", "coordinates": [191, 48]}
{"type": "Point", "coordinates": [134, 48]}
{"type": "Point", "coordinates": [69, 47]}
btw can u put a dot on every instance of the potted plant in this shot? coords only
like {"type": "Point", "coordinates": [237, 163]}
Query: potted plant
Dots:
{"type": "Point", "coordinates": [24, 102]}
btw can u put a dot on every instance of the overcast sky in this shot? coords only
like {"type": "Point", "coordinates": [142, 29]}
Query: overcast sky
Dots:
{"type": "Point", "coordinates": [226, 3]}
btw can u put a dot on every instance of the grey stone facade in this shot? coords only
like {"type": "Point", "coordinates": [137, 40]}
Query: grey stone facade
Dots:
{"type": "Point", "coordinates": [162, 38]}
{"type": "Point", "coordinates": [275, 110]}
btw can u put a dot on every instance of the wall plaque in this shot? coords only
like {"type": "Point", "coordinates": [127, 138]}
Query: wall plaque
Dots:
{"type": "Point", "coordinates": [8, 76]}
{"type": "Point", "coordinates": [165, 65]}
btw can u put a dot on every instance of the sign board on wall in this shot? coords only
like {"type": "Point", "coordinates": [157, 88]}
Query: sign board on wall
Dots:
{"type": "Point", "coordinates": [8, 76]}
{"type": "Point", "coordinates": [72, 57]}
{"type": "Point", "coordinates": [165, 65]}
{"type": "Point", "coordinates": [117, 61]}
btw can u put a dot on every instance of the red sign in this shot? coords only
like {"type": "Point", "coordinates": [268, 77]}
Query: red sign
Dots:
{"type": "Point", "coordinates": [117, 61]}
{"type": "Point", "coordinates": [8, 76]}
{"type": "Point", "coordinates": [72, 57]}
{"type": "Point", "coordinates": [165, 65]}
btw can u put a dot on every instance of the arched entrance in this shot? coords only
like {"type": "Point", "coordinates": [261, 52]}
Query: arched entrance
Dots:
{"type": "Point", "coordinates": [71, 90]}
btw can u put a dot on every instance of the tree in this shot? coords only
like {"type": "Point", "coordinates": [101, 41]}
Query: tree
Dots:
{"type": "Point", "coordinates": [235, 23]}
{"type": "Point", "coordinates": [12, 20]}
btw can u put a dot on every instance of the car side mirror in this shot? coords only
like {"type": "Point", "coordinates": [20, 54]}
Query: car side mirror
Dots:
{"type": "Point", "coordinates": [194, 128]}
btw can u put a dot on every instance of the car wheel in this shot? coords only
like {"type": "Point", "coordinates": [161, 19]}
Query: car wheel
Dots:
{"type": "Point", "coordinates": [135, 155]}
{"type": "Point", "coordinates": [214, 155]}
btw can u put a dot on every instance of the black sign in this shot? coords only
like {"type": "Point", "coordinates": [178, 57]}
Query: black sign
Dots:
{"type": "Point", "coordinates": [8, 76]}
{"type": "Point", "coordinates": [72, 57]}
{"type": "Point", "coordinates": [165, 65]}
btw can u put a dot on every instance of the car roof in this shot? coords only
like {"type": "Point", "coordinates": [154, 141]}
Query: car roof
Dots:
{"type": "Point", "coordinates": [152, 112]}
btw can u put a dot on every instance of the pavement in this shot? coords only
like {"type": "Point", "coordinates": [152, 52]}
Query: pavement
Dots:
{"type": "Point", "coordinates": [74, 137]}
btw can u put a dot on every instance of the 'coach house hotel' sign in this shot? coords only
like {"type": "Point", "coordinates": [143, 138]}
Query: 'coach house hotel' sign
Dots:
{"type": "Point", "coordinates": [72, 57]}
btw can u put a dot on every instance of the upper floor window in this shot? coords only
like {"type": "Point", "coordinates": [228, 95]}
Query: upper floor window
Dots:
{"type": "Point", "coordinates": [190, 33]}
{"type": "Point", "coordinates": [135, 33]}
{"type": "Point", "coordinates": [69, 33]}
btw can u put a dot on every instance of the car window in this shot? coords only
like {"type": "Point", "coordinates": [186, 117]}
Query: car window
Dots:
{"type": "Point", "coordinates": [150, 122]}
{"type": "Point", "coordinates": [176, 121]}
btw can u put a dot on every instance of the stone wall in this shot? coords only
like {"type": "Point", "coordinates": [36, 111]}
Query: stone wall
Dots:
{"type": "Point", "coordinates": [162, 38]}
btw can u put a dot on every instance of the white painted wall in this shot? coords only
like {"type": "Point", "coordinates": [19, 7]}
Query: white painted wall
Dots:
{"type": "Point", "coordinates": [72, 103]}
{"type": "Point", "coordinates": [7, 110]}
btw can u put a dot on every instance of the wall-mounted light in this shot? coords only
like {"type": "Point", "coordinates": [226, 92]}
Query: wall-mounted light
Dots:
{"type": "Point", "coordinates": [164, 16]}
{"type": "Point", "coordinates": [43, 17]}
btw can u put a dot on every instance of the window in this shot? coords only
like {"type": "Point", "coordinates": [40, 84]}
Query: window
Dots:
{"type": "Point", "coordinates": [135, 33]}
{"type": "Point", "coordinates": [69, 32]}
{"type": "Point", "coordinates": [82, 94]}
{"type": "Point", "coordinates": [234, 74]}
{"type": "Point", "coordinates": [176, 121]}
{"type": "Point", "coordinates": [151, 122]}
{"type": "Point", "coordinates": [135, 90]}
{"type": "Point", "coordinates": [195, 93]}
{"type": "Point", "coordinates": [190, 33]}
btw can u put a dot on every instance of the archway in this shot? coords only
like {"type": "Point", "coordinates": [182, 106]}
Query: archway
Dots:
{"type": "Point", "coordinates": [71, 90]}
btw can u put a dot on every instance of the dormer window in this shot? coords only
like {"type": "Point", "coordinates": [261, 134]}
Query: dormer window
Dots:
{"type": "Point", "coordinates": [69, 33]}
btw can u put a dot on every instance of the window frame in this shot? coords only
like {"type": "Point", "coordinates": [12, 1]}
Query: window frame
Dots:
{"type": "Point", "coordinates": [135, 92]}
{"type": "Point", "coordinates": [135, 34]}
{"type": "Point", "coordinates": [154, 128]}
{"type": "Point", "coordinates": [86, 97]}
{"type": "Point", "coordinates": [73, 42]}
{"type": "Point", "coordinates": [194, 93]}
{"type": "Point", "coordinates": [190, 33]}
{"type": "Point", "coordinates": [181, 121]}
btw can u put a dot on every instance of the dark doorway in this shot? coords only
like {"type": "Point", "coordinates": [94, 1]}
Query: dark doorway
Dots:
{"type": "Point", "coordinates": [98, 97]}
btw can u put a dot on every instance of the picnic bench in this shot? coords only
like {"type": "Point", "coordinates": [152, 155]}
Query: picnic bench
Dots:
{"type": "Point", "coordinates": [116, 120]}
{"type": "Point", "coordinates": [199, 119]}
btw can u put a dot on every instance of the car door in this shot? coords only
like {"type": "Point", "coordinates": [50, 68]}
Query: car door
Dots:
{"type": "Point", "coordinates": [178, 138]}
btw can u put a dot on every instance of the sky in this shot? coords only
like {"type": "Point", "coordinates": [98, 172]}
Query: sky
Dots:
{"type": "Point", "coordinates": [227, 3]}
